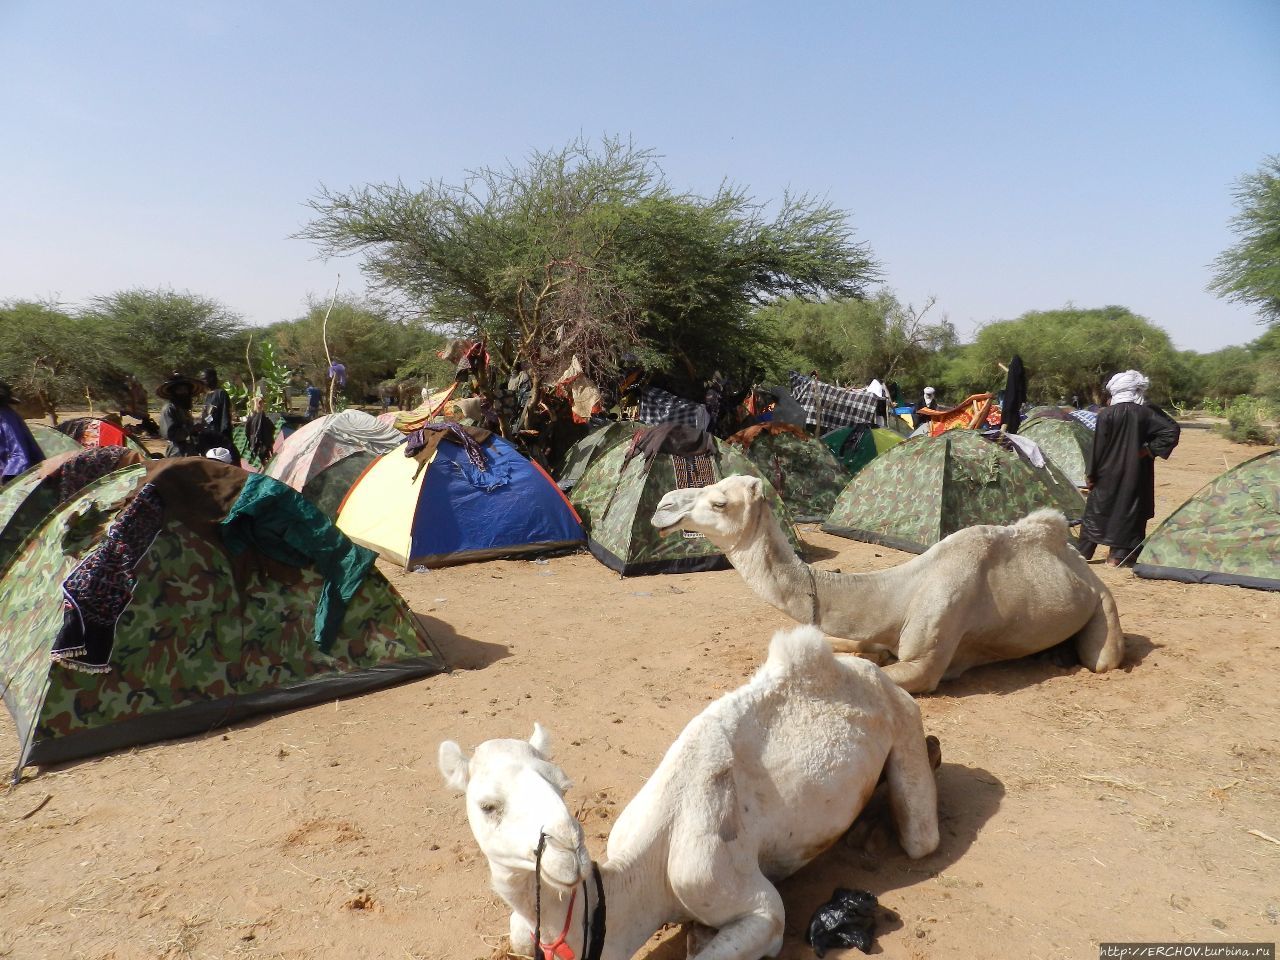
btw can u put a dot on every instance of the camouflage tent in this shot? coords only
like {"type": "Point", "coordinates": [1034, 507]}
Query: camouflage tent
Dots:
{"type": "Point", "coordinates": [806, 474]}
{"type": "Point", "coordinates": [51, 441]}
{"type": "Point", "coordinates": [858, 445]}
{"type": "Point", "coordinates": [617, 502]}
{"type": "Point", "coordinates": [1227, 533]}
{"type": "Point", "coordinates": [1067, 444]}
{"type": "Point", "coordinates": [200, 644]}
{"type": "Point", "coordinates": [31, 496]}
{"type": "Point", "coordinates": [929, 487]}
{"type": "Point", "coordinates": [590, 448]}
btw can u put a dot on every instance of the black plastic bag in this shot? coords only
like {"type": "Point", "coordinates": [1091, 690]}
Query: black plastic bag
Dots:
{"type": "Point", "coordinates": [848, 919]}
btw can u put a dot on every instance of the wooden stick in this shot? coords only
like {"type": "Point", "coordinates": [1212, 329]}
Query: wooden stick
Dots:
{"type": "Point", "coordinates": [324, 336]}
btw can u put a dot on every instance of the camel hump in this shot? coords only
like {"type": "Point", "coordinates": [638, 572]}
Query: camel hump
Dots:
{"type": "Point", "coordinates": [800, 650]}
{"type": "Point", "coordinates": [1047, 525]}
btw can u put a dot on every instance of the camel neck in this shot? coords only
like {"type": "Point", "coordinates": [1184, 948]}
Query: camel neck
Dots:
{"type": "Point", "coordinates": [769, 565]}
{"type": "Point", "coordinates": [637, 903]}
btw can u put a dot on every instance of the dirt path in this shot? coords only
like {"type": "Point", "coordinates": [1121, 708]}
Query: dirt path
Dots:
{"type": "Point", "coordinates": [1075, 808]}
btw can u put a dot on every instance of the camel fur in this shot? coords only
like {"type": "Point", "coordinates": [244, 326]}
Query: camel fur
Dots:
{"type": "Point", "coordinates": [983, 594]}
{"type": "Point", "coordinates": [756, 786]}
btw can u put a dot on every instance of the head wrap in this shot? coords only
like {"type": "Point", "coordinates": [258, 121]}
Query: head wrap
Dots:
{"type": "Point", "coordinates": [1128, 387]}
{"type": "Point", "coordinates": [929, 393]}
{"type": "Point", "coordinates": [219, 453]}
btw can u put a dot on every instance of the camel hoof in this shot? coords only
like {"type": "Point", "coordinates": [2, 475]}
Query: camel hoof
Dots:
{"type": "Point", "coordinates": [934, 748]}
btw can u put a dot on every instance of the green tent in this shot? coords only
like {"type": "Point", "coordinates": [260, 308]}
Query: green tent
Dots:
{"type": "Point", "coordinates": [31, 496]}
{"type": "Point", "coordinates": [200, 644]}
{"type": "Point", "coordinates": [53, 442]}
{"type": "Point", "coordinates": [616, 504]}
{"type": "Point", "coordinates": [1067, 444]}
{"type": "Point", "coordinates": [1227, 533]}
{"type": "Point", "coordinates": [806, 475]}
{"type": "Point", "coordinates": [858, 445]}
{"type": "Point", "coordinates": [590, 448]}
{"type": "Point", "coordinates": [929, 487]}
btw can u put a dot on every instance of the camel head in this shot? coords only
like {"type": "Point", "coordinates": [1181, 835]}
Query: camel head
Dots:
{"type": "Point", "coordinates": [722, 512]}
{"type": "Point", "coordinates": [514, 795]}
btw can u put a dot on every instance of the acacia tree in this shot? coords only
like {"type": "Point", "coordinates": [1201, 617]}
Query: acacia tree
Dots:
{"type": "Point", "coordinates": [373, 346]}
{"type": "Point", "coordinates": [50, 357]}
{"type": "Point", "coordinates": [1249, 271]}
{"type": "Point", "coordinates": [1070, 352]}
{"type": "Point", "coordinates": [587, 251]}
{"type": "Point", "coordinates": [155, 332]}
{"type": "Point", "coordinates": [853, 341]}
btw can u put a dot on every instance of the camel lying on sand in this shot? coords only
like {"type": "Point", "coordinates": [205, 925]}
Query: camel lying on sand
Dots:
{"type": "Point", "coordinates": [756, 786]}
{"type": "Point", "coordinates": [983, 594]}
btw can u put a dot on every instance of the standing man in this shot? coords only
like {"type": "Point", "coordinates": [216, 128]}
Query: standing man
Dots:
{"type": "Point", "coordinates": [176, 425]}
{"type": "Point", "coordinates": [215, 418]}
{"type": "Point", "coordinates": [1121, 475]}
{"type": "Point", "coordinates": [19, 451]}
{"type": "Point", "coordinates": [314, 395]}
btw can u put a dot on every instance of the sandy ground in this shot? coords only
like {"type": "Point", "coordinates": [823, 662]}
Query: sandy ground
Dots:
{"type": "Point", "coordinates": [1075, 808]}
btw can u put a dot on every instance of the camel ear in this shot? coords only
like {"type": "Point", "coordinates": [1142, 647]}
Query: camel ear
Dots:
{"type": "Point", "coordinates": [755, 488]}
{"type": "Point", "coordinates": [454, 766]}
{"type": "Point", "coordinates": [541, 741]}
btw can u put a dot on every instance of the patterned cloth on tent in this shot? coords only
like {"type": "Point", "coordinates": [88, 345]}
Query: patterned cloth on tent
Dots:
{"type": "Point", "coordinates": [693, 473]}
{"type": "Point", "coordinates": [840, 407]}
{"type": "Point", "coordinates": [79, 471]}
{"type": "Point", "coordinates": [422, 442]}
{"type": "Point", "coordinates": [100, 587]}
{"type": "Point", "coordinates": [1087, 417]}
{"type": "Point", "coordinates": [660, 406]}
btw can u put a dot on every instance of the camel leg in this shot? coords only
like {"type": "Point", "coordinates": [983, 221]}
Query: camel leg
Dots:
{"type": "Point", "coordinates": [1100, 642]}
{"type": "Point", "coordinates": [913, 792]}
{"type": "Point", "coordinates": [923, 657]}
{"type": "Point", "coordinates": [755, 933]}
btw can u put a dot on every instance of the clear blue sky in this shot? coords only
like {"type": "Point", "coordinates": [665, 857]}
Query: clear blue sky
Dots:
{"type": "Point", "coordinates": [1002, 156]}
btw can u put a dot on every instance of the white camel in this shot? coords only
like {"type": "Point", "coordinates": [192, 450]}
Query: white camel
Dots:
{"type": "Point", "coordinates": [983, 594]}
{"type": "Point", "coordinates": [756, 786]}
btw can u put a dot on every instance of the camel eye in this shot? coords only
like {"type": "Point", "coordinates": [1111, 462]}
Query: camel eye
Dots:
{"type": "Point", "coordinates": [719, 504]}
{"type": "Point", "coordinates": [490, 808]}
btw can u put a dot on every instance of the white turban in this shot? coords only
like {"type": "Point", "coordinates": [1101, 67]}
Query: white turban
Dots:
{"type": "Point", "coordinates": [221, 454]}
{"type": "Point", "coordinates": [929, 391]}
{"type": "Point", "coordinates": [1128, 387]}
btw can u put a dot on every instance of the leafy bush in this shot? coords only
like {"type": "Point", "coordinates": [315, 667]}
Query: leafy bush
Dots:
{"type": "Point", "coordinates": [1246, 421]}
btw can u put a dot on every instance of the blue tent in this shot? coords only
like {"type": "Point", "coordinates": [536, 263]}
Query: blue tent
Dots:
{"type": "Point", "coordinates": [454, 512]}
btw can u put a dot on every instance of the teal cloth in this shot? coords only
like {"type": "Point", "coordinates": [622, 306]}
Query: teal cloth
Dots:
{"type": "Point", "coordinates": [272, 518]}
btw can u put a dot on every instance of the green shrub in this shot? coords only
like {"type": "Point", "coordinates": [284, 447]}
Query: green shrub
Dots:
{"type": "Point", "coordinates": [1246, 420]}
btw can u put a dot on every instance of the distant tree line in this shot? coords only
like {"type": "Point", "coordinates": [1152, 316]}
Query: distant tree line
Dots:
{"type": "Point", "coordinates": [589, 253]}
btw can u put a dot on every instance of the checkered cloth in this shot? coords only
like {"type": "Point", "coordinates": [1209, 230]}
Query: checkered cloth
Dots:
{"type": "Point", "coordinates": [659, 406]}
{"type": "Point", "coordinates": [1087, 417]}
{"type": "Point", "coordinates": [840, 407]}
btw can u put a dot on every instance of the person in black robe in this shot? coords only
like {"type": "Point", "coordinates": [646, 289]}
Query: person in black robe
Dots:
{"type": "Point", "coordinates": [1121, 475]}
{"type": "Point", "coordinates": [1015, 395]}
{"type": "Point", "coordinates": [260, 433]}
{"type": "Point", "coordinates": [215, 419]}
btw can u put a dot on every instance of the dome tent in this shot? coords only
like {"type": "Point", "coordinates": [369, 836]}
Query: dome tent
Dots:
{"type": "Point", "coordinates": [616, 500]}
{"type": "Point", "coordinates": [453, 511]}
{"type": "Point", "coordinates": [1067, 443]}
{"type": "Point", "coordinates": [803, 471]}
{"type": "Point", "coordinates": [322, 459]}
{"type": "Point", "coordinates": [858, 445]}
{"type": "Point", "coordinates": [31, 496]}
{"type": "Point", "coordinates": [51, 441]}
{"type": "Point", "coordinates": [1228, 533]}
{"type": "Point", "coordinates": [590, 448]}
{"type": "Point", "coordinates": [929, 487]}
{"type": "Point", "coordinates": [209, 635]}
